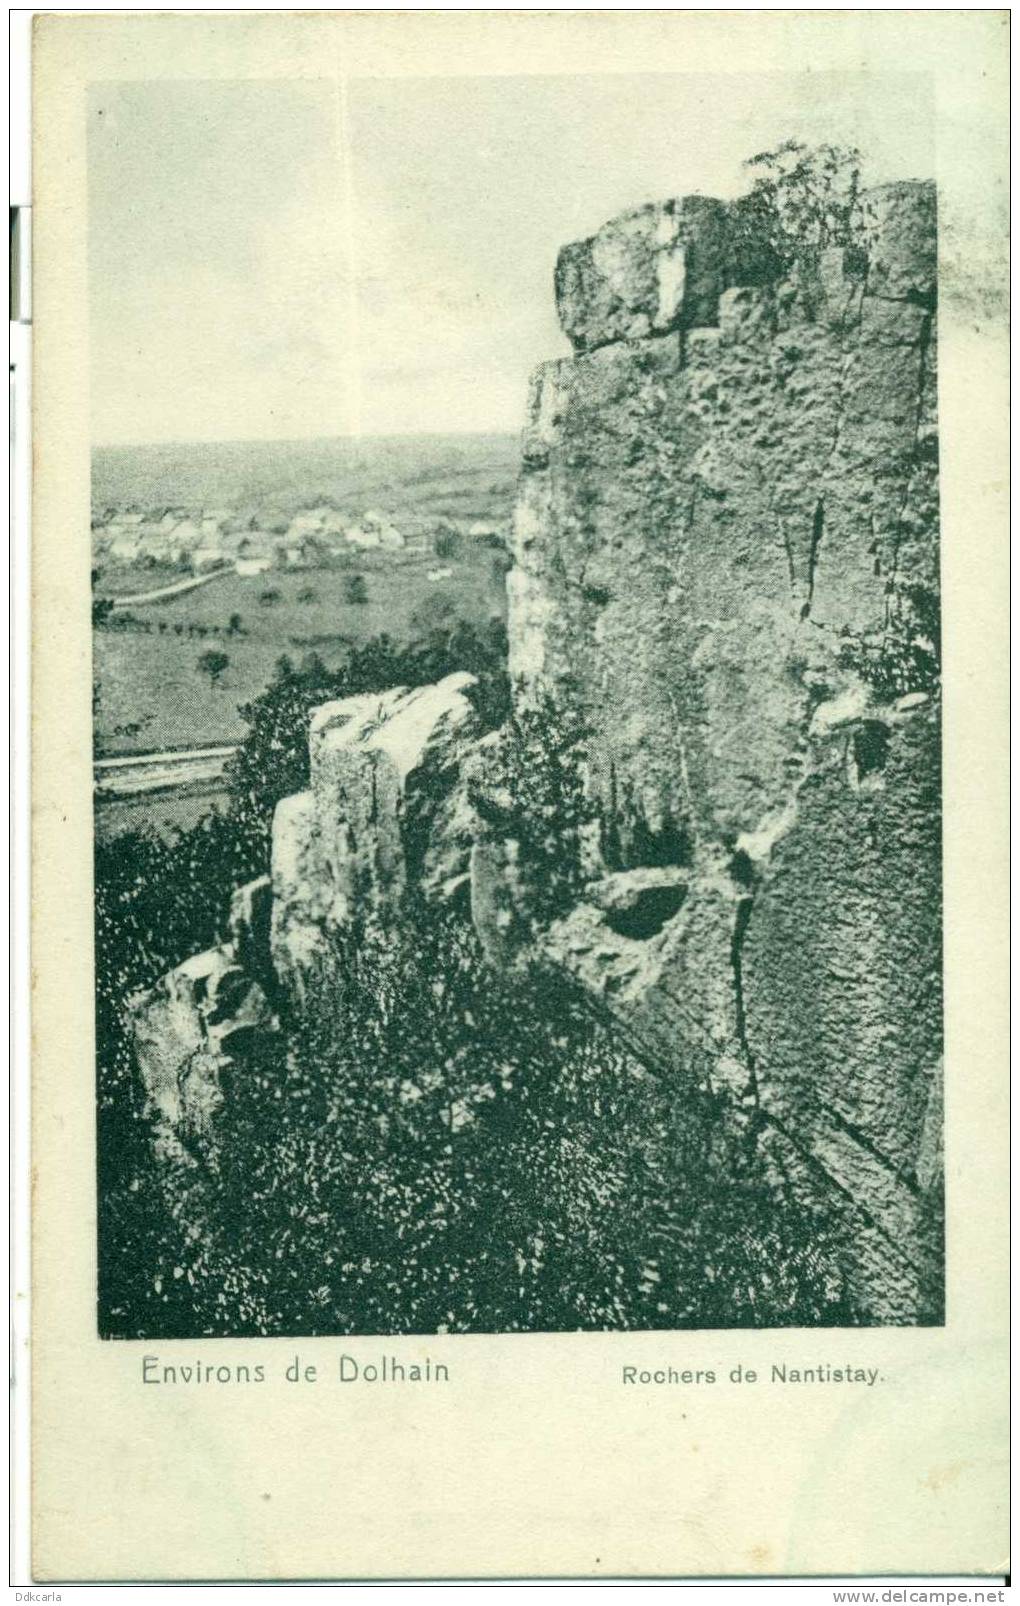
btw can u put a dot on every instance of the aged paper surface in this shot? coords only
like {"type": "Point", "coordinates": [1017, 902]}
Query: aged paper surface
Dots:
{"type": "Point", "coordinates": [171, 1444]}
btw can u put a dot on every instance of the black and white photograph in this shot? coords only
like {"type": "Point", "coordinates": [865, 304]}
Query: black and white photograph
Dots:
{"type": "Point", "coordinates": [512, 988]}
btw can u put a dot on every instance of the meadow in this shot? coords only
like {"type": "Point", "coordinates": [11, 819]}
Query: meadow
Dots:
{"type": "Point", "coordinates": [153, 694]}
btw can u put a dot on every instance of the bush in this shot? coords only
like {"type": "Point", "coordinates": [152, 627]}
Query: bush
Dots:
{"type": "Point", "coordinates": [102, 607]}
{"type": "Point", "coordinates": [156, 902]}
{"type": "Point", "coordinates": [447, 543]}
{"type": "Point", "coordinates": [436, 612]}
{"type": "Point", "coordinates": [214, 664]}
{"type": "Point", "coordinates": [802, 201]}
{"type": "Point", "coordinates": [907, 655]}
{"type": "Point", "coordinates": [532, 790]}
{"type": "Point", "coordinates": [809, 194]}
{"type": "Point", "coordinates": [438, 1149]}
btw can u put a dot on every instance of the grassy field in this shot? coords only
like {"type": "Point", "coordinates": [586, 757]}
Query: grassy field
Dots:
{"type": "Point", "coordinates": [152, 693]}
{"type": "Point", "coordinates": [163, 812]}
{"type": "Point", "coordinates": [124, 580]}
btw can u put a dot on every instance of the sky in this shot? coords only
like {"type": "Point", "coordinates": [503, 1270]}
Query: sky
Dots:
{"type": "Point", "coordinates": [295, 259]}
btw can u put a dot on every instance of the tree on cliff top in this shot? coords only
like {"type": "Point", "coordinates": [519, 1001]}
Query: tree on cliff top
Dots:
{"type": "Point", "coordinates": [803, 199]}
{"type": "Point", "coordinates": [812, 190]}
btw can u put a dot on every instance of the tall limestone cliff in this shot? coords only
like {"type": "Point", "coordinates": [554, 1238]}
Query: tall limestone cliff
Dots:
{"type": "Point", "coordinates": [726, 576]}
{"type": "Point", "coordinates": [726, 550]}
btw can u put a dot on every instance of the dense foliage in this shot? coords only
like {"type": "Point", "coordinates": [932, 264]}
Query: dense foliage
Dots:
{"type": "Point", "coordinates": [156, 901]}
{"type": "Point", "coordinates": [803, 200]}
{"type": "Point", "coordinates": [809, 193]}
{"type": "Point", "coordinates": [435, 1148]}
{"type": "Point", "coordinates": [531, 788]}
{"type": "Point", "coordinates": [427, 1145]}
{"type": "Point", "coordinates": [907, 655]}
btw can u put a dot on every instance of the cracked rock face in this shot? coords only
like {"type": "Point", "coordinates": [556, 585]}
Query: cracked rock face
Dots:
{"type": "Point", "coordinates": [659, 267]}
{"type": "Point", "coordinates": [726, 547]}
{"type": "Point", "coordinates": [704, 518]}
{"type": "Point", "coordinates": [201, 1024]}
{"type": "Point", "coordinates": [384, 812]}
{"type": "Point", "coordinates": [726, 575]}
{"type": "Point", "coordinates": [842, 968]}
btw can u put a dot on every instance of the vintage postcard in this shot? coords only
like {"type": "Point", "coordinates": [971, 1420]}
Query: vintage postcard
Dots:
{"type": "Point", "coordinates": [519, 776]}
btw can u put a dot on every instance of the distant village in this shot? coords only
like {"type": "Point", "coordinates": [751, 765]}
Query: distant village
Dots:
{"type": "Point", "coordinates": [196, 543]}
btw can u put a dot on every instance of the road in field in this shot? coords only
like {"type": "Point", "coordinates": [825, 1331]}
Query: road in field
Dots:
{"type": "Point", "coordinates": [159, 772]}
{"type": "Point", "coordinates": [169, 591]}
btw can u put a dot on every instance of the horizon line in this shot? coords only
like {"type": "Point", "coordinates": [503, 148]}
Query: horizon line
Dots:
{"type": "Point", "coordinates": [307, 440]}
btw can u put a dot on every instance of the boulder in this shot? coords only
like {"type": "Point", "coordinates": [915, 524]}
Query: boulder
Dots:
{"type": "Point", "coordinates": [384, 815]}
{"type": "Point", "coordinates": [657, 268]}
{"type": "Point", "coordinates": [202, 1021]}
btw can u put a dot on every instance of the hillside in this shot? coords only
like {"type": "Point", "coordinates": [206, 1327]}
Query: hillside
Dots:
{"type": "Point", "coordinates": [469, 476]}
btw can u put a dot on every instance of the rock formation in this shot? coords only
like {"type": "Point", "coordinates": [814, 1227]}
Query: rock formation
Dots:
{"type": "Point", "coordinates": [384, 806]}
{"type": "Point", "coordinates": [201, 1024]}
{"type": "Point", "coordinates": [726, 573]}
{"type": "Point", "coordinates": [726, 551]}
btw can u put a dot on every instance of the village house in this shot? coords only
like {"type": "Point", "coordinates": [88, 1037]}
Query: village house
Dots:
{"type": "Point", "coordinates": [125, 546]}
{"type": "Point", "coordinates": [375, 530]}
{"type": "Point", "coordinates": [186, 535]}
{"type": "Point", "coordinates": [321, 520]}
{"type": "Point", "coordinates": [303, 524]}
{"type": "Point", "coordinates": [246, 567]}
{"type": "Point", "coordinates": [334, 522]}
{"type": "Point", "coordinates": [252, 552]}
{"type": "Point", "coordinates": [204, 558]}
{"type": "Point", "coordinates": [359, 536]}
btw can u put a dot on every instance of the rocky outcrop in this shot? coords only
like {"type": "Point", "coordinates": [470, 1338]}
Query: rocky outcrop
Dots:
{"type": "Point", "coordinates": [726, 550]}
{"type": "Point", "coordinates": [203, 1023]}
{"type": "Point", "coordinates": [656, 268]}
{"type": "Point", "coordinates": [726, 576]}
{"type": "Point", "coordinates": [384, 810]}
